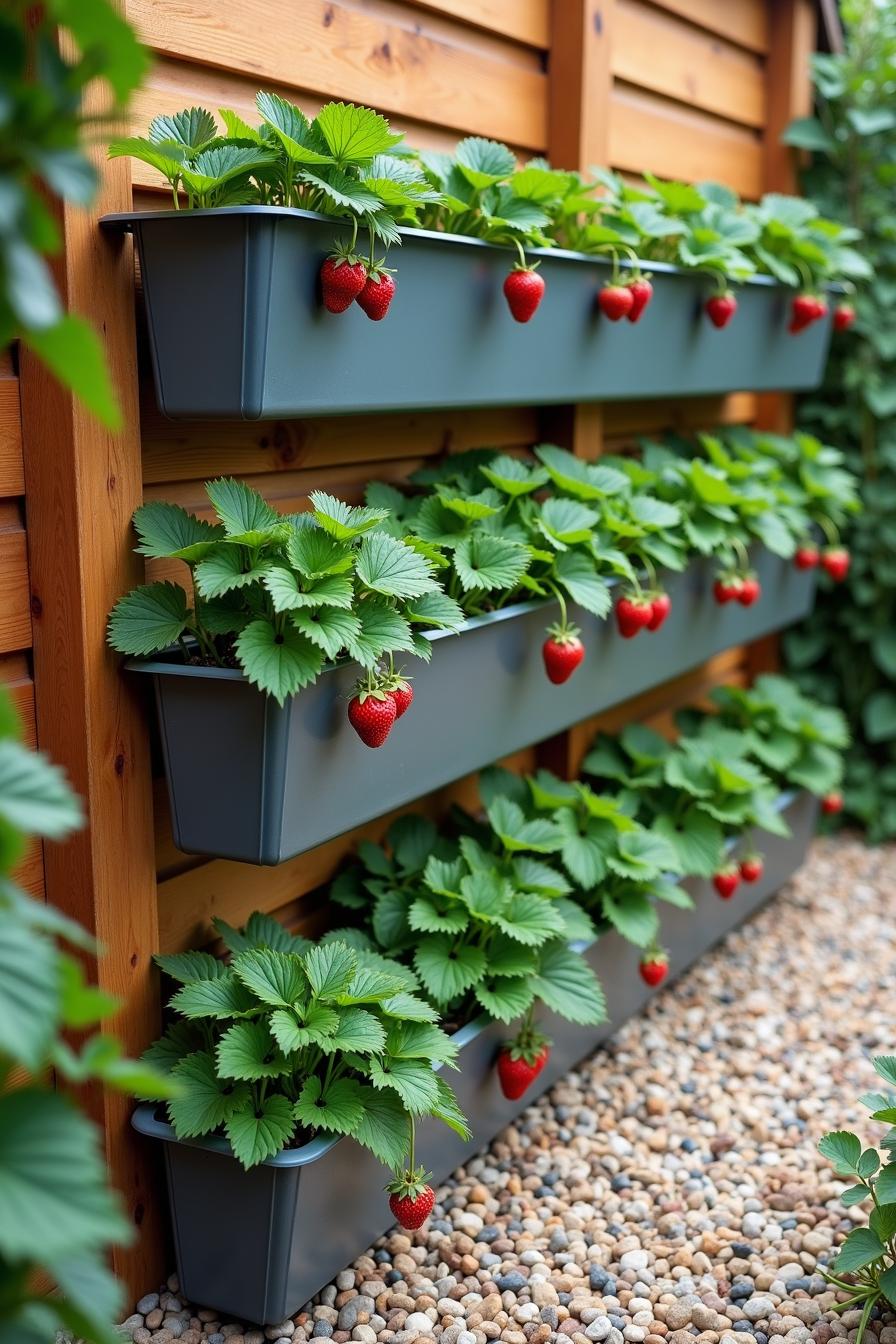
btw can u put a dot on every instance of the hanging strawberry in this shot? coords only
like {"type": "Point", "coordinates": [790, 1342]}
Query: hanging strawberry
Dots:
{"type": "Point", "coordinates": [521, 1061]}
{"type": "Point", "coordinates": [523, 288]}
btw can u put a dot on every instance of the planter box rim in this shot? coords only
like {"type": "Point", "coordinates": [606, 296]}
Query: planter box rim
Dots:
{"type": "Point", "coordinates": [144, 1117]}
{"type": "Point", "coordinates": [124, 222]}
{"type": "Point", "coordinates": [158, 663]}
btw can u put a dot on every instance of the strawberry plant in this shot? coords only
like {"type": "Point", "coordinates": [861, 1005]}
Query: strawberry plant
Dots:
{"type": "Point", "coordinates": [694, 794]}
{"type": "Point", "coordinates": [480, 913]}
{"type": "Point", "coordinates": [345, 163]}
{"type": "Point", "coordinates": [289, 1039]}
{"type": "Point", "coordinates": [865, 1266]}
{"type": "Point", "coordinates": [281, 597]}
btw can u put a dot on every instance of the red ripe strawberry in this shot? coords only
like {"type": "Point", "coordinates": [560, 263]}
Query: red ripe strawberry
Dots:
{"type": "Point", "coordinates": [377, 294]}
{"type": "Point", "coordinates": [804, 310]}
{"type": "Point", "coordinates": [721, 308]}
{"type": "Point", "coordinates": [633, 614]}
{"type": "Point", "coordinates": [726, 589]}
{"type": "Point", "coordinates": [750, 591]}
{"type": "Point", "coordinates": [832, 803]}
{"type": "Point", "coordinates": [342, 277]}
{"type": "Point", "coordinates": [641, 291]}
{"type": "Point", "coordinates": [562, 652]}
{"type": "Point", "coordinates": [523, 290]}
{"type": "Point", "coordinates": [372, 713]}
{"type": "Point", "coordinates": [403, 696]}
{"type": "Point", "coordinates": [518, 1067]}
{"type": "Point", "coordinates": [616, 301]}
{"type": "Point", "coordinates": [654, 968]}
{"type": "Point", "coordinates": [751, 868]}
{"type": "Point", "coordinates": [807, 556]}
{"type": "Point", "coordinates": [411, 1198]}
{"type": "Point", "coordinates": [844, 316]}
{"type": "Point", "coordinates": [726, 881]}
{"type": "Point", "coordinates": [835, 562]}
{"type": "Point", "coordinates": [659, 610]}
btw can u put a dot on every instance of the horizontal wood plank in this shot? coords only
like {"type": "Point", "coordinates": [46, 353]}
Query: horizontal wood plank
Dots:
{"type": "Point", "coordinates": [15, 594]}
{"type": "Point", "coordinates": [399, 61]}
{"type": "Point", "coordinates": [12, 470]}
{"type": "Point", "coordinates": [627, 419]}
{"type": "Point", "coordinates": [741, 21]}
{"type": "Point", "coordinates": [524, 20]}
{"type": "Point", "coordinates": [686, 63]}
{"type": "Point", "coordinates": [649, 133]}
{"type": "Point", "coordinates": [181, 450]}
{"type": "Point", "coordinates": [189, 901]}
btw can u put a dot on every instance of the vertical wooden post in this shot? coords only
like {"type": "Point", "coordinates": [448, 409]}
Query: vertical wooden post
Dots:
{"type": "Point", "coordinates": [792, 35]}
{"type": "Point", "coordinates": [82, 484]}
{"type": "Point", "coordinates": [580, 84]}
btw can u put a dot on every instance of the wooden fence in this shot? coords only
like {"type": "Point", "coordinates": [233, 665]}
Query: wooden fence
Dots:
{"type": "Point", "coordinates": [692, 89]}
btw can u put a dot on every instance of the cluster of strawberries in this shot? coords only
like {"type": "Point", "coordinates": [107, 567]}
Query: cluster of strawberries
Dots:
{"type": "Point", "coordinates": [346, 279]}
{"type": "Point", "coordinates": [834, 560]}
{"type": "Point", "coordinates": [378, 703]}
{"type": "Point", "coordinates": [804, 310]}
{"type": "Point", "coordinates": [641, 611]}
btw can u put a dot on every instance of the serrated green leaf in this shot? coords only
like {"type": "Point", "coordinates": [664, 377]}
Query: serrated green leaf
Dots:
{"type": "Point", "coordinates": [293, 1030]}
{"type": "Point", "coordinates": [412, 1079]}
{"type": "Point", "coordinates": [409, 1007]}
{"type": "Point", "coordinates": [241, 509]}
{"type": "Point", "coordinates": [427, 915]}
{"type": "Point", "coordinates": [258, 1132]}
{"type": "Point", "coordinates": [148, 619]}
{"type": "Point", "coordinates": [633, 915]}
{"type": "Point", "coordinates": [584, 480]}
{"type": "Point", "coordinates": [854, 1195]}
{"type": "Point", "coordinates": [30, 985]}
{"type": "Point", "coordinates": [539, 835]}
{"type": "Point", "coordinates": [420, 1040]}
{"type": "Point", "coordinates": [861, 1248]}
{"type": "Point", "coordinates": [330, 628]}
{"type": "Point", "coordinates": [288, 594]}
{"type": "Point", "coordinates": [301, 143]}
{"type": "Point", "coordinates": [167, 530]}
{"type": "Point", "coordinates": [279, 664]}
{"type": "Point", "coordinates": [224, 571]}
{"type": "Point", "coordinates": [435, 608]}
{"type": "Point", "coordinates": [314, 552]}
{"type": "Point", "coordinates": [531, 919]}
{"type": "Point", "coordinates": [344, 521]}
{"type": "Point", "coordinates": [505, 998]}
{"type": "Point", "coordinates": [277, 978]}
{"type": "Point", "coordinates": [533, 875]}
{"type": "Point", "coordinates": [513, 476]}
{"type": "Point", "coordinates": [354, 134]}
{"type": "Point", "coordinates": [383, 1126]}
{"type": "Point", "coordinates": [885, 1067]}
{"type": "Point", "coordinates": [189, 966]}
{"type": "Point", "coordinates": [584, 849]}
{"type": "Point", "coordinates": [484, 561]}
{"type": "Point", "coordinates": [383, 630]}
{"type": "Point", "coordinates": [567, 985]}
{"type": "Point", "coordinates": [192, 128]}
{"type": "Point", "coordinates": [248, 1051]}
{"type": "Point", "coordinates": [578, 575]}
{"type": "Point", "coordinates": [484, 162]}
{"type": "Point", "coordinates": [205, 1101]}
{"type": "Point", "coordinates": [389, 567]}
{"type": "Point", "coordinates": [330, 969]}
{"type": "Point", "coordinates": [445, 970]}
{"type": "Point", "coordinates": [886, 1184]}
{"type": "Point", "coordinates": [841, 1148]}
{"type": "Point", "coordinates": [357, 1031]}
{"type": "Point", "coordinates": [222, 997]}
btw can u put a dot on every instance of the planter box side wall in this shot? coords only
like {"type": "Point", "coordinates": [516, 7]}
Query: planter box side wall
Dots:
{"type": "Point", "coordinates": [238, 330]}
{"type": "Point", "coordinates": [278, 796]}
{"type": "Point", "coordinates": [306, 1244]}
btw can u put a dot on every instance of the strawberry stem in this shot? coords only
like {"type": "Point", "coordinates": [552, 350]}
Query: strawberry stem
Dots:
{"type": "Point", "coordinates": [829, 529]}
{"type": "Point", "coordinates": [564, 622]}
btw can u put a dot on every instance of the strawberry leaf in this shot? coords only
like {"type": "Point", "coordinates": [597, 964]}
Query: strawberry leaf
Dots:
{"type": "Point", "coordinates": [314, 552]}
{"type": "Point", "coordinates": [205, 1101]}
{"type": "Point", "coordinates": [488, 562]}
{"type": "Point", "coordinates": [484, 162]}
{"type": "Point", "coordinates": [578, 575]}
{"type": "Point", "coordinates": [357, 1030]}
{"type": "Point", "coordinates": [383, 1126]}
{"type": "Point", "coordinates": [412, 1079]}
{"type": "Point", "coordinates": [242, 510]}
{"type": "Point", "coordinates": [224, 571]}
{"type": "Point", "coordinates": [354, 134]}
{"type": "Point", "coordinates": [336, 1108]}
{"type": "Point", "coordinates": [509, 823]}
{"type": "Point", "coordinates": [280, 664]}
{"type": "Point", "coordinates": [383, 630]}
{"type": "Point", "coordinates": [222, 997]}
{"type": "Point", "coordinates": [277, 978]}
{"type": "Point", "coordinates": [330, 969]}
{"type": "Point", "coordinates": [584, 480]}
{"type": "Point", "coordinates": [330, 628]}
{"type": "Point", "coordinates": [257, 1132]}
{"type": "Point", "coordinates": [345, 191]}
{"type": "Point", "coordinates": [447, 971]}
{"type": "Point", "coordinates": [247, 1051]}
{"type": "Point", "coordinates": [531, 920]}
{"type": "Point", "coordinates": [167, 530]}
{"type": "Point", "coordinates": [344, 521]}
{"type": "Point", "coordinates": [186, 967]}
{"type": "Point", "coordinates": [288, 594]}
{"type": "Point", "coordinates": [389, 567]}
{"type": "Point", "coordinates": [505, 998]}
{"type": "Point", "coordinates": [568, 986]}
{"type": "Point", "coordinates": [514, 477]}
{"type": "Point", "coordinates": [435, 608]}
{"type": "Point", "coordinates": [293, 1030]}
{"type": "Point", "coordinates": [148, 619]}
{"type": "Point", "coordinates": [697, 840]}
{"type": "Point", "coordinates": [426, 915]}
{"type": "Point", "coordinates": [302, 143]}
{"type": "Point", "coordinates": [420, 1040]}
{"type": "Point", "coordinates": [632, 914]}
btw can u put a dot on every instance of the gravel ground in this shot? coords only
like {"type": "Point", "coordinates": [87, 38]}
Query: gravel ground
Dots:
{"type": "Point", "coordinates": [669, 1189]}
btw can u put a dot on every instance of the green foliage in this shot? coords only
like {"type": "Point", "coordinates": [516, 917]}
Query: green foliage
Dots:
{"type": "Point", "coordinates": [58, 1214]}
{"type": "Point", "coordinates": [291, 1039]}
{"type": "Point", "coordinates": [45, 117]}
{"type": "Point", "coordinates": [279, 596]}
{"type": "Point", "coordinates": [845, 653]}
{"type": "Point", "coordinates": [868, 1255]}
{"type": "Point", "coordinates": [482, 912]}
{"type": "Point", "coordinates": [347, 163]}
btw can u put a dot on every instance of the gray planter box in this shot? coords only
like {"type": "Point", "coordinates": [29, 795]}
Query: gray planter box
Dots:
{"type": "Point", "coordinates": [258, 1244]}
{"type": "Point", "coordinates": [252, 781]}
{"type": "Point", "coordinates": [238, 331]}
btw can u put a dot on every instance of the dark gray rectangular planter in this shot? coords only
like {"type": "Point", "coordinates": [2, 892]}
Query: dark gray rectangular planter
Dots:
{"type": "Point", "coordinates": [259, 1244]}
{"type": "Point", "coordinates": [252, 781]}
{"type": "Point", "coordinates": [238, 331]}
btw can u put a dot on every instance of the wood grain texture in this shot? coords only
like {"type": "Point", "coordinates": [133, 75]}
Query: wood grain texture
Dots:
{"type": "Point", "coordinates": [793, 32]}
{"type": "Point", "coordinates": [525, 21]}
{"type": "Point", "coordinates": [687, 63]}
{"type": "Point", "coordinates": [180, 450]}
{"type": "Point", "coordinates": [15, 594]}
{"type": "Point", "coordinates": [397, 60]}
{"type": "Point", "coordinates": [82, 484]}
{"type": "Point", "coordinates": [743, 21]}
{"type": "Point", "coordinates": [652, 133]}
{"type": "Point", "coordinates": [12, 472]}
{"type": "Point", "coordinates": [580, 79]}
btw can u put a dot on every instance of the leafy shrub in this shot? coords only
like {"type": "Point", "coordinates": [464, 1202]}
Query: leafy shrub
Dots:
{"type": "Point", "coordinates": [867, 1255]}
{"type": "Point", "coordinates": [481, 914]}
{"type": "Point", "coordinates": [845, 653]}
{"type": "Point", "coordinates": [347, 163]}
{"type": "Point", "coordinates": [292, 1039]}
{"type": "Point", "coordinates": [276, 595]}
{"type": "Point", "coordinates": [59, 1217]}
